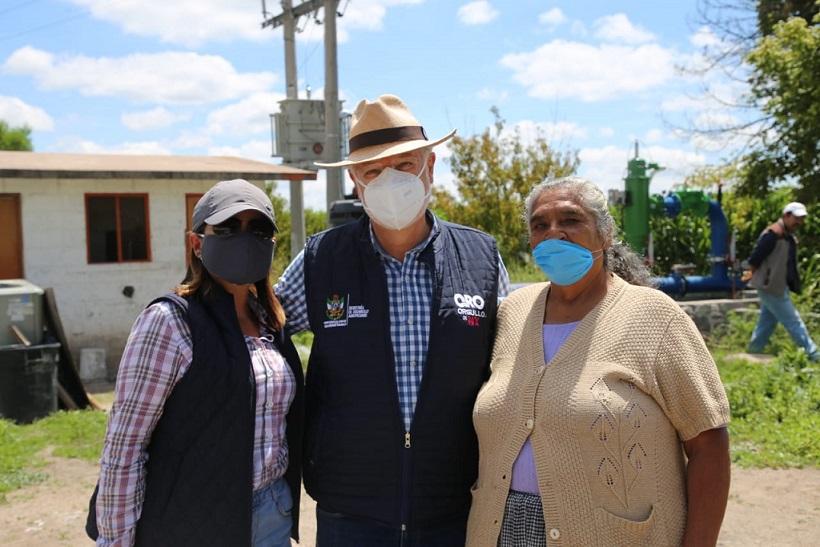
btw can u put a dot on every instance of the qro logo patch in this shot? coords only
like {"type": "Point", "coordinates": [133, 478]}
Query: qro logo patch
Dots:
{"type": "Point", "coordinates": [470, 308]}
{"type": "Point", "coordinates": [467, 301]}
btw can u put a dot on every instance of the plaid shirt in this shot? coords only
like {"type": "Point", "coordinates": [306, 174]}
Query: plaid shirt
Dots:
{"type": "Point", "coordinates": [410, 296]}
{"type": "Point", "coordinates": [158, 353]}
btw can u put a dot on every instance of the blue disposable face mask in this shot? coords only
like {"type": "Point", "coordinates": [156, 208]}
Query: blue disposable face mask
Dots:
{"type": "Point", "coordinates": [564, 262]}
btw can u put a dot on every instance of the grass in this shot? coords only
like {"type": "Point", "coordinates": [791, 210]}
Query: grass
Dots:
{"type": "Point", "coordinates": [775, 406]}
{"type": "Point", "coordinates": [77, 434]}
{"type": "Point", "coordinates": [775, 411]}
{"type": "Point", "coordinates": [525, 273]}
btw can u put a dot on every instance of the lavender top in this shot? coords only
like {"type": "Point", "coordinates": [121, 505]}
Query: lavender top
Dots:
{"type": "Point", "coordinates": [524, 478]}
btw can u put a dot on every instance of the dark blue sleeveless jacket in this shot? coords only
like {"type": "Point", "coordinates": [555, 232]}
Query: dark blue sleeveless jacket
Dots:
{"type": "Point", "coordinates": [358, 459]}
{"type": "Point", "coordinates": [199, 475]}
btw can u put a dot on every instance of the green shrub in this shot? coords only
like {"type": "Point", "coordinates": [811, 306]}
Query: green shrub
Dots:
{"type": "Point", "coordinates": [775, 411]}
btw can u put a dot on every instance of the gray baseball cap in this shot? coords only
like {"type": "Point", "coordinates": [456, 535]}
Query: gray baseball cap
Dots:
{"type": "Point", "coordinates": [228, 198]}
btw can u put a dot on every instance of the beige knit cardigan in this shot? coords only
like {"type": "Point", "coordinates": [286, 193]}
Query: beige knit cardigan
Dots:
{"type": "Point", "coordinates": [606, 417]}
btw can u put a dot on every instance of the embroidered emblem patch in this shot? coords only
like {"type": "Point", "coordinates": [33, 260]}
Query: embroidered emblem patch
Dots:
{"type": "Point", "coordinates": [339, 311]}
{"type": "Point", "coordinates": [335, 307]}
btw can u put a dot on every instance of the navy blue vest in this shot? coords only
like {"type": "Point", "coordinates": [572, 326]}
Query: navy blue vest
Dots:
{"type": "Point", "coordinates": [199, 475]}
{"type": "Point", "coordinates": [357, 458]}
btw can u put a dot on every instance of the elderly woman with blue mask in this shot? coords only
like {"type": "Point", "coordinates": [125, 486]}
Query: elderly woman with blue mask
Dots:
{"type": "Point", "coordinates": [604, 420]}
{"type": "Point", "coordinates": [204, 437]}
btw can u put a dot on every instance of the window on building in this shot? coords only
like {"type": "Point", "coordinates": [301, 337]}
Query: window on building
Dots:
{"type": "Point", "coordinates": [118, 229]}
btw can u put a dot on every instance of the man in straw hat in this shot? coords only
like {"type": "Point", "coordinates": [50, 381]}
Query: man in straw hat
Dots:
{"type": "Point", "coordinates": [401, 305]}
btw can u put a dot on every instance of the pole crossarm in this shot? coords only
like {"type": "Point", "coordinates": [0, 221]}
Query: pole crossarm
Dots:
{"type": "Point", "coordinates": [302, 9]}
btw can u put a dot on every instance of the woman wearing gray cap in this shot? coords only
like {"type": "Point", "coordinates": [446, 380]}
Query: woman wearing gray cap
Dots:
{"type": "Point", "coordinates": [204, 436]}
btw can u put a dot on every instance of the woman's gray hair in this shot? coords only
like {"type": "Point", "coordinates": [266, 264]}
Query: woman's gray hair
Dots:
{"type": "Point", "coordinates": [619, 258]}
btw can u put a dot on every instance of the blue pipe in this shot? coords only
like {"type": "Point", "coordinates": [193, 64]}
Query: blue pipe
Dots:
{"type": "Point", "coordinates": [720, 240]}
{"type": "Point", "coordinates": [719, 280]}
{"type": "Point", "coordinates": [672, 205]}
{"type": "Point", "coordinates": [679, 285]}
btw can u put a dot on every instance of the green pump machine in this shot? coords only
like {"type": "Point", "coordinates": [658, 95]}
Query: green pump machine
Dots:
{"type": "Point", "coordinates": [638, 205]}
{"type": "Point", "coordinates": [636, 202]}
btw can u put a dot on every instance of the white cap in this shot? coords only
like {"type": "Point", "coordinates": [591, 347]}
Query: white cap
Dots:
{"type": "Point", "coordinates": [796, 209]}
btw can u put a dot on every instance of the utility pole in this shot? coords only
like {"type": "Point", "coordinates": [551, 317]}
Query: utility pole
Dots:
{"type": "Point", "coordinates": [331, 150]}
{"type": "Point", "coordinates": [332, 115]}
{"type": "Point", "coordinates": [297, 201]}
{"type": "Point", "coordinates": [287, 20]}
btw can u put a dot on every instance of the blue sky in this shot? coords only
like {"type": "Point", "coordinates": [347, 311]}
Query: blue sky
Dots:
{"type": "Point", "coordinates": [201, 76]}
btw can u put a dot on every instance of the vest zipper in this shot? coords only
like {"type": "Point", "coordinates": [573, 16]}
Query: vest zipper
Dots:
{"type": "Point", "coordinates": [406, 487]}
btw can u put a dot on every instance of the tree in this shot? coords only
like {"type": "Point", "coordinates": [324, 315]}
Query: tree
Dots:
{"type": "Point", "coordinates": [786, 83]}
{"type": "Point", "coordinates": [494, 172]}
{"type": "Point", "coordinates": [15, 138]}
{"type": "Point", "coordinates": [745, 51]}
{"type": "Point", "coordinates": [315, 222]}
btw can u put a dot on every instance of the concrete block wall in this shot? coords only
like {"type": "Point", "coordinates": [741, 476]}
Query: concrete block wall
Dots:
{"type": "Point", "coordinates": [94, 311]}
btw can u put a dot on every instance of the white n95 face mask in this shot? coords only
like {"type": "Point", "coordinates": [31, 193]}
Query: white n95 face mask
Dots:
{"type": "Point", "coordinates": [395, 199]}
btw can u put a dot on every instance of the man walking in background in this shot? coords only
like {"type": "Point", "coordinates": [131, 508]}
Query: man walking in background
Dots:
{"type": "Point", "coordinates": [773, 273]}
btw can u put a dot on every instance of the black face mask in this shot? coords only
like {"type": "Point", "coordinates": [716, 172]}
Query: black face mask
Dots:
{"type": "Point", "coordinates": [238, 258]}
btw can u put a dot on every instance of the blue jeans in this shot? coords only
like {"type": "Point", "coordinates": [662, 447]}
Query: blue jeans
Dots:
{"type": "Point", "coordinates": [774, 309]}
{"type": "Point", "coordinates": [272, 521]}
{"type": "Point", "coordinates": [337, 530]}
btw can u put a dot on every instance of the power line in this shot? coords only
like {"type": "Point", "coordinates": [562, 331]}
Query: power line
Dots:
{"type": "Point", "coordinates": [16, 6]}
{"type": "Point", "coordinates": [73, 16]}
{"type": "Point", "coordinates": [76, 15]}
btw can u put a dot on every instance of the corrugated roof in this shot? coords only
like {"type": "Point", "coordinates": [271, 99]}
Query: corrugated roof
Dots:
{"type": "Point", "coordinates": [35, 165]}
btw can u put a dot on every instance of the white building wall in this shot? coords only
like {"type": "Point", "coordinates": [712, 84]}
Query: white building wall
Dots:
{"type": "Point", "coordinates": [94, 311]}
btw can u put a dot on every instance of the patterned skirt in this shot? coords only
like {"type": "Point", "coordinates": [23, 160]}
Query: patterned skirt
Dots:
{"type": "Point", "coordinates": [523, 524]}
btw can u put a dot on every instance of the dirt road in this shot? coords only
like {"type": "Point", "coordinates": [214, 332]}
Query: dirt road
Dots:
{"type": "Point", "coordinates": [766, 507]}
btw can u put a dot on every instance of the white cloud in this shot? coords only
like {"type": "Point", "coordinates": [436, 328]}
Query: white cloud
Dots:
{"type": "Point", "coordinates": [552, 18]}
{"type": "Point", "coordinates": [186, 22]}
{"type": "Point", "coordinates": [618, 28]}
{"type": "Point", "coordinates": [168, 78]}
{"type": "Point", "coordinates": [84, 146]}
{"type": "Point", "coordinates": [606, 132]}
{"type": "Point", "coordinates": [654, 135]}
{"type": "Point", "coordinates": [246, 117]}
{"type": "Point", "coordinates": [479, 12]}
{"type": "Point", "coordinates": [606, 166]}
{"type": "Point", "coordinates": [193, 22]}
{"type": "Point", "coordinates": [191, 139]}
{"type": "Point", "coordinates": [561, 69]}
{"type": "Point", "coordinates": [156, 118]}
{"type": "Point", "coordinates": [493, 95]}
{"type": "Point", "coordinates": [680, 103]}
{"type": "Point", "coordinates": [554, 132]}
{"type": "Point", "coordinates": [18, 113]}
{"type": "Point", "coordinates": [704, 37]}
{"type": "Point", "coordinates": [578, 28]}
{"type": "Point", "coordinates": [712, 139]}
{"type": "Point", "coordinates": [255, 150]}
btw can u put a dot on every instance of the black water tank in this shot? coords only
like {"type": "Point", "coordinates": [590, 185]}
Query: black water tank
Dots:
{"type": "Point", "coordinates": [28, 381]}
{"type": "Point", "coordinates": [344, 211]}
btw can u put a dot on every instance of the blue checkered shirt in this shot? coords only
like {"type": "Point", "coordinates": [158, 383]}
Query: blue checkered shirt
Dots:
{"type": "Point", "coordinates": [410, 296]}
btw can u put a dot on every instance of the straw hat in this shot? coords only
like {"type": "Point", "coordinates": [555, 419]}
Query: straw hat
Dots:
{"type": "Point", "coordinates": [382, 128]}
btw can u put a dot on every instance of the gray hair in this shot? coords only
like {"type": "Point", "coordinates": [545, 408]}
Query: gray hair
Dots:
{"type": "Point", "coordinates": [619, 258]}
